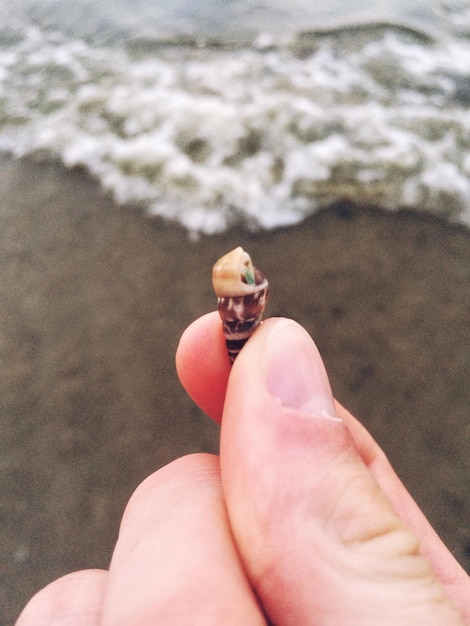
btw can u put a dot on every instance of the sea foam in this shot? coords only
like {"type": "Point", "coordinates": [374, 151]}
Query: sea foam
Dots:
{"type": "Point", "coordinates": [262, 134]}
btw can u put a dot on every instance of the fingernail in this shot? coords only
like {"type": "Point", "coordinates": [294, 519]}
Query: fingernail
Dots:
{"type": "Point", "coordinates": [295, 372]}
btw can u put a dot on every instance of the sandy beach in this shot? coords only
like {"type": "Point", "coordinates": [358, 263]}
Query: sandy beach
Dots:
{"type": "Point", "coordinates": [93, 300]}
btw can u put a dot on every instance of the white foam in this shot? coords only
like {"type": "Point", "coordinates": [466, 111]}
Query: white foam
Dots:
{"type": "Point", "coordinates": [209, 137]}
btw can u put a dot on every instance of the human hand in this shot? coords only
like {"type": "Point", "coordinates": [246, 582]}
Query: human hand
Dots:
{"type": "Point", "coordinates": [305, 510]}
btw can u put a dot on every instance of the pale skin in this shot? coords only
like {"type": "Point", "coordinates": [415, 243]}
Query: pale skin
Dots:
{"type": "Point", "coordinates": [301, 520]}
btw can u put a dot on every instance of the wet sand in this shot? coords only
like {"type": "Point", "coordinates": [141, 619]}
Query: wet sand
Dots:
{"type": "Point", "coordinates": [93, 299]}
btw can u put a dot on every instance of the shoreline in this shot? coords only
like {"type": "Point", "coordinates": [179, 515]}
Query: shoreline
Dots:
{"type": "Point", "coordinates": [94, 297]}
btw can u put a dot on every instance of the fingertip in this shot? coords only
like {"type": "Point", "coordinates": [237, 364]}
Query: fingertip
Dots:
{"type": "Point", "coordinates": [202, 364]}
{"type": "Point", "coordinates": [279, 392]}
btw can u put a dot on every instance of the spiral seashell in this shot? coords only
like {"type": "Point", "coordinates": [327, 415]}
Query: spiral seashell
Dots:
{"type": "Point", "coordinates": [242, 293]}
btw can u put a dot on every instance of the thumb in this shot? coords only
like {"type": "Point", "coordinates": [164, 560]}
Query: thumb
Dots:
{"type": "Point", "coordinates": [320, 541]}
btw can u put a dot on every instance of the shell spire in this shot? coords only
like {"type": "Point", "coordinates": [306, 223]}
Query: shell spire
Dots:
{"type": "Point", "coordinates": [242, 293]}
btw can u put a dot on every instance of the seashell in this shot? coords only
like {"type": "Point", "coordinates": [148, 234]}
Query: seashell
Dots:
{"type": "Point", "coordinates": [242, 294]}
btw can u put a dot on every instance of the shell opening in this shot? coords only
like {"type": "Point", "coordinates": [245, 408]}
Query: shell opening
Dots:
{"type": "Point", "coordinates": [234, 275]}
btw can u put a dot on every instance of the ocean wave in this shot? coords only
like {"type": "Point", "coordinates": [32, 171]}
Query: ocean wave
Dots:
{"type": "Point", "coordinates": [261, 134]}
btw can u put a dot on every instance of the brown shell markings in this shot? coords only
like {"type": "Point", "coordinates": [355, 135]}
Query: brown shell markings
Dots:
{"type": "Point", "coordinates": [242, 293]}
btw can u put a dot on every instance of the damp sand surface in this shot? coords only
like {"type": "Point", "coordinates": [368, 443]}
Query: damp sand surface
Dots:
{"type": "Point", "coordinates": [93, 300]}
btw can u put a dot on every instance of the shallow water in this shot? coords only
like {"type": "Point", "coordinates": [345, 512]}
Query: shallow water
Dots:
{"type": "Point", "coordinates": [212, 113]}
